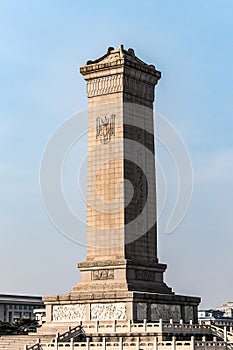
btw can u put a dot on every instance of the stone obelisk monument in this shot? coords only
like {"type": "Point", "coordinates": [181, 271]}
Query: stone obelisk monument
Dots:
{"type": "Point", "coordinates": [121, 278]}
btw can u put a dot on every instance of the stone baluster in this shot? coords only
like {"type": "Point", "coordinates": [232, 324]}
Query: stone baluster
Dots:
{"type": "Point", "coordinates": [88, 344]}
{"type": "Point", "coordinates": [120, 343]}
{"type": "Point", "coordinates": [192, 343]}
{"type": "Point", "coordinates": [130, 323]}
{"type": "Point", "coordinates": [173, 343]}
{"type": "Point", "coordinates": [138, 343]}
{"type": "Point", "coordinates": [155, 343]}
{"type": "Point", "coordinates": [160, 325]}
{"type": "Point", "coordinates": [104, 343]}
{"type": "Point", "coordinates": [56, 343]}
{"type": "Point", "coordinates": [72, 343]}
{"type": "Point", "coordinates": [145, 325]}
{"type": "Point", "coordinates": [204, 341]}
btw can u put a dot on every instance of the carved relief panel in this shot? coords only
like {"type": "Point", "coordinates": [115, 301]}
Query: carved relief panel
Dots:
{"type": "Point", "coordinates": [63, 313]}
{"type": "Point", "coordinates": [166, 312]}
{"type": "Point", "coordinates": [103, 274]}
{"type": "Point", "coordinates": [113, 311]}
{"type": "Point", "coordinates": [141, 311]}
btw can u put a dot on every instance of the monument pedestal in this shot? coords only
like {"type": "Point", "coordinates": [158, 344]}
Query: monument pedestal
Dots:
{"type": "Point", "coordinates": [121, 290]}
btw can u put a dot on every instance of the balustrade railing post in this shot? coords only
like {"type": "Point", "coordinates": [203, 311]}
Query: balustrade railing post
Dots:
{"type": "Point", "coordinates": [155, 343]}
{"type": "Point", "coordinates": [138, 343]}
{"type": "Point", "coordinates": [88, 344]}
{"type": "Point", "coordinates": [130, 323]}
{"type": "Point", "coordinates": [225, 333]}
{"type": "Point", "coordinates": [173, 343]}
{"type": "Point", "coordinates": [104, 343]}
{"type": "Point", "coordinates": [97, 326]}
{"type": "Point", "coordinates": [56, 344]}
{"type": "Point", "coordinates": [120, 343]}
{"type": "Point", "coordinates": [72, 343]}
{"type": "Point", "coordinates": [160, 325]}
{"type": "Point", "coordinates": [114, 325]}
{"type": "Point", "coordinates": [25, 347]}
{"type": "Point", "coordinates": [145, 325]}
{"type": "Point", "coordinates": [192, 343]}
{"type": "Point", "coordinates": [204, 341]}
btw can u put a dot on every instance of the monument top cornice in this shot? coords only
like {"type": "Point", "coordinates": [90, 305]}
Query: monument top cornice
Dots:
{"type": "Point", "coordinates": [119, 58]}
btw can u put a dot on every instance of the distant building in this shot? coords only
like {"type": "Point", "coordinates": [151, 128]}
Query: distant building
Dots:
{"type": "Point", "coordinates": [218, 317]}
{"type": "Point", "coordinates": [15, 307]}
{"type": "Point", "coordinates": [227, 308]}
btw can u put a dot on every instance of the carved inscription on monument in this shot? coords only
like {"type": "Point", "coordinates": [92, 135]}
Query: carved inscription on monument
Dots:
{"type": "Point", "coordinates": [114, 311]}
{"type": "Point", "coordinates": [166, 312]}
{"type": "Point", "coordinates": [145, 275]}
{"type": "Point", "coordinates": [105, 128]}
{"type": "Point", "coordinates": [103, 274]}
{"type": "Point", "coordinates": [63, 313]}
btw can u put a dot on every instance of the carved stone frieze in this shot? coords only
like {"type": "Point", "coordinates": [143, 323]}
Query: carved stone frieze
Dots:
{"type": "Point", "coordinates": [166, 312]}
{"type": "Point", "coordinates": [105, 85]}
{"type": "Point", "coordinates": [188, 313]}
{"type": "Point", "coordinates": [115, 83]}
{"type": "Point", "coordinates": [88, 264]}
{"type": "Point", "coordinates": [141, 311]}
{"type": "Point", "coordinates": [145, 275]}
{"type": "Point", "coordinates": [96, 287]}
{"type": "Point", "coordinates": [108, 311]}
{"type": "Point", "coordinates": [103, 274]}
{"type": "Point", "coordinates": [63, 313]}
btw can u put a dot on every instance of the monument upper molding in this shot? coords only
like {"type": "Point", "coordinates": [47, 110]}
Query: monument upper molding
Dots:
{"type": "Point", "coordinates": [117, 58]}
{"type": "Point", "coordinates": [120, 71]}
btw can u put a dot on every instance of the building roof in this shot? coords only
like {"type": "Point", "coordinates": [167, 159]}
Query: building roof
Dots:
{"type": "Point", "coordinates": [14, 298]}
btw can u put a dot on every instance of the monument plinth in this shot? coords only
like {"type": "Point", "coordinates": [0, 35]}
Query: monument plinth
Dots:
{"type": "Point", "coordinates": [122, 278]}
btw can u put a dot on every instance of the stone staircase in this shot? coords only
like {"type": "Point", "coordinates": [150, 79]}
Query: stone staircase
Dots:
{"type": "Point", "coordinates": [123, 335]}
{"type": "Point", "coordinates": [17, 342]}
{"type": "Point", "coordinates": [222, 333]}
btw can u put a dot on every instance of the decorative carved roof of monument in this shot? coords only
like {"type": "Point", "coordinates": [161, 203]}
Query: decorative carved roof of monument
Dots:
{"type": "Point", "coordinates": [116, 58]}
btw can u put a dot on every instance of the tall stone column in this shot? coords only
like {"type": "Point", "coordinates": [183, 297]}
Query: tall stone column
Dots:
{"type": "Point", "coordinates": [121, 190]}
{"type": "Point", "coordinates": [120, 90]}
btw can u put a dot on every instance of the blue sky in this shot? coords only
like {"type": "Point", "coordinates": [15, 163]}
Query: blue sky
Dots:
{"type": "Point", "coordinates": [42, 46]}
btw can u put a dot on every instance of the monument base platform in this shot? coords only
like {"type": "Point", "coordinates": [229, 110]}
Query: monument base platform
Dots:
{"type": "Point", "coordinates": [136, 306]}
